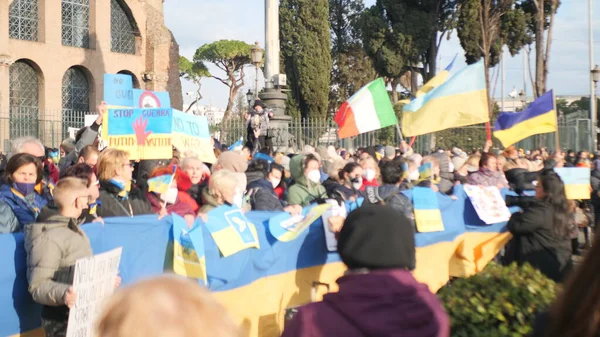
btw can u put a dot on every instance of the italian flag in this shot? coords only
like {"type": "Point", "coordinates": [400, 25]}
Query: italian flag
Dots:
{"type": "Point", "coordinates": [368, 109]}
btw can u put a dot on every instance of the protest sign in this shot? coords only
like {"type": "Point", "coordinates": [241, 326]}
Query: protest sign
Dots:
{"type": "Point", "coordinates": [188, 250]}
{"type": "Point", "coordinates": [428, 217]}
{"type": "Point", "coordinates": [577, 182]}
{"type": "Point", "coordinates": [144, 133]}
{"type": "Point", "coordinates": [93, 281]}
{"type": "Point", "coordinates": [231, 230]}
{"type": "Point", "coordinates": [286, 228]}
{"type": "Point", "coordinates": [488, 203]}
{"type": "Point", "coordinates": [118, 90]}
{"type": "Point", "coordinates": [335, 210]}
{"type": "Point", "coordinates": [151, 99]}
{"type": "Point", "coordinates": [191, 136]}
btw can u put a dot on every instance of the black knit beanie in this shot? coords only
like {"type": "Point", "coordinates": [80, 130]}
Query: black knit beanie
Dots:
{"type": "Point", "coordinates": [377, 237]}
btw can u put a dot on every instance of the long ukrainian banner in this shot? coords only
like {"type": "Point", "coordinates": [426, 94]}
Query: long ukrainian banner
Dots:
{"type": "Point", "coordinates": [256, 285]}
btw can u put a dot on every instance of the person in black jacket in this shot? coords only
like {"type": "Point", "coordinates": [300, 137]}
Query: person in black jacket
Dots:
{"type": "Point", "coordinates": [390, 193]}
{"type": "Point", "coordinates": [261, 190]}
{"type": "Point", "coordinates": [346, 184]}
{"type": "Point", "coordinates": [117, 195]}
{"type": "Point", "coordinates": [518, 176]}
{"type": "Point", "coordinates": [541, 230]}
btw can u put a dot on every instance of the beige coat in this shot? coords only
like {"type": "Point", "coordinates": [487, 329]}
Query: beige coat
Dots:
{"type": "Point", "coordinates": [52, 249]}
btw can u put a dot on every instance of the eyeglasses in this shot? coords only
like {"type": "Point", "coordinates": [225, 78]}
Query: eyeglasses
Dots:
{"type": "Point", "coordinates": [41, 158]}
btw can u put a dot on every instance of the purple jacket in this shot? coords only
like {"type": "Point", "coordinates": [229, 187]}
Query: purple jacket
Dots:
{"type": "Point", "coordinates": [381, 303]}
{"type": "Point", "coordinates": [485, 177]}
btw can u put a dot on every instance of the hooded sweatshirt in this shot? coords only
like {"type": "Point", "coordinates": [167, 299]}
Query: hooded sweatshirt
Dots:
{"type": "Point", "coordinates": [303, 192]}
{"type": "Point", "coordinates": [382, 303]}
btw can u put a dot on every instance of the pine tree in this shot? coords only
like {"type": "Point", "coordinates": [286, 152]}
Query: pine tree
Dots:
{"type": "Point", "coordinates": [306, 55]}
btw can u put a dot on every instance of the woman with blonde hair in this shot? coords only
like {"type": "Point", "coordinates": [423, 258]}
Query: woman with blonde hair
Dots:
{"type": "Point", "coordinates": [223, 189]}
{"type": "Point", "coordinates": [165, 306]}
{"type": "Point", "coordinates": [117, 195]}
{"type": "Point", "coordinates": [370, 173]}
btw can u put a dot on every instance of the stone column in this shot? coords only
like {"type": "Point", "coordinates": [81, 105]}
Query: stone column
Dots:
{"type": "Point", "coordinates": [272, 96]}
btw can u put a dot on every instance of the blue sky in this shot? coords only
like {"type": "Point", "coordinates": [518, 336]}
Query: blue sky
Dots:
{"type": "Point", "coordinates": [196, 22]}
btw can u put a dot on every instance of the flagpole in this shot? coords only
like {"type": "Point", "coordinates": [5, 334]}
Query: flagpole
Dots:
{"type": "Point", "coordinates": [557, 136]}
{"type": "Point", "coordinates": [399, 132]}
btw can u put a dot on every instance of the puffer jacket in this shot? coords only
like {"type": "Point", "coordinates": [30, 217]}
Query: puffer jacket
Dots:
{"type": "Point", "coordinates": [446, 182]}
{"type": "Point", "coordinates": [25, 209]}
{"type": "Point", "coordinates": [392, 196]}
{"type": "Point", "coordinates": [263, 196]}
{"type": "Point", "coordinates": [113, 205]}
{"type": "Point", "coordinates": [260, 121]}
{"type": "Point", "coordinates": [52, 249]}
{"type": "Point", "coordinates": [303, 192]}
{"type": "Point", "coordinates": [8, 221]}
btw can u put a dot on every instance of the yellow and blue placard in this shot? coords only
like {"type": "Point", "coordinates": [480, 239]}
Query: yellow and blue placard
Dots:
{"type": "Point", "coordinates": [577, 182]}
{"type": "Point", "coordinates": [428, 217]}
{"type": "Point", "coordinates": [191, 135]}
{"type": "Point", "coordinates": [231, 230]}
{"type": "Point", "coordinates": [286, 228]}
{"type": "Point", "coordinates": [188, 250]}
{"type": "Point", "coordinates": [144, 133]}
{"type": "Point", "coordinates": [146, 99]}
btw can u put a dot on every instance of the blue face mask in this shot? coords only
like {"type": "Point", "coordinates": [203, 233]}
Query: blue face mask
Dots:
{"type": "Point", "coordinates": [24, 188]}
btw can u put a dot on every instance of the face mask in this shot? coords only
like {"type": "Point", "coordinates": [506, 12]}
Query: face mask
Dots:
{"type": "Point", "coordinates": [356, 183]}
{"type": "Point", "coordinates": [275, 182]}
{"type": "Point", "coordinates": [24, 188]}
{"type": "Point", "coordinates": [314, 176]}
{"type": "Point", "coordinates": [369, 174]}
{"type": "Point", "coordinates": [238, 199]}
{"type": "Point", "coordinates": [171, 196]}
{"type": "Point", "coordinates": [414, 175]}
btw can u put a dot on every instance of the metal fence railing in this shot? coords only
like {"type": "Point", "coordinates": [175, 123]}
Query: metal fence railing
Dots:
{"type": "Point", "coordinates": [311, 131]}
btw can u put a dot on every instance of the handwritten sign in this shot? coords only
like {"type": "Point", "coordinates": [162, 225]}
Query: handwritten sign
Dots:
{"type": "Point", "coordinates": [577, 182]}
{"type": "Point", "coordinates": [151, 99]}
{"type": "Point", "coordinates": [144, 133]}
{"type": "Point", "coordinates": [191, 136]}
{"type": "Point", "coordinates": [231, 230]}
{"type": "Point", "coordinates": [118, 89]}
{"type": "Point", "coordinates": [286, 228]}
{"type": "Point", "coordinates": [488, 203]}
{"type": "Point", "coordinates": [93, 281]}
{"type": "Point", "coordinates": [428, 217]}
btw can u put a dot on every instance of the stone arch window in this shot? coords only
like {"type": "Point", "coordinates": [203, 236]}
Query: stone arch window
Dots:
{"type": "Point", "coordinates": [136, 83]}
{"type": "Point", "coordinates": [122, 29]}
{"type": "Point", "coordinates": [76, 23]}
{"type": "Point", "coordinates": [23, 99]}
{"type": "Point", "coordinates": [75, 98]}
{"type": "Point", "coordinates": [23, 20]}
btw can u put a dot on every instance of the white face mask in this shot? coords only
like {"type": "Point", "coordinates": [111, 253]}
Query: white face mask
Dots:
{"type": "Point", "coordinates": [414, 175]}
{"type": "Point", "coordinates": [369, 174]}
{"type": "Point", "coordinates": [275, 182]}
{"type": "Point", "coordinates": [314, 176]}
{"type": "Point", "coordinates": [171, 196]}
{"type": "Point", "coordinates": [238, 199]}
{"type": "Point", "coordinates": [358, 184]}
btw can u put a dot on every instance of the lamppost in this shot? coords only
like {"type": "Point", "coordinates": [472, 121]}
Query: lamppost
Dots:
{"type": "Point", "coordinates": [257, 56]}
{"type": "Point", "coordinates": [594, 113]}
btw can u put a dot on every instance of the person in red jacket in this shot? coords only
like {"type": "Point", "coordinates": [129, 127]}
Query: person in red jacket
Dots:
{"type": "Point", "coordinates": [172, 200]}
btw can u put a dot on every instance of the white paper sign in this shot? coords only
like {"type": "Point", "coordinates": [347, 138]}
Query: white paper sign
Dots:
{"type": "Point", "coordinates": [90, 119]}
{"type": "Point", "coordinates": [488, 203]}
{"type": "Point", "coordinates": [335, 210]}
{"type": "Point", "coordinates": [93, 281]}
{"type": "Point", "coordinates": [72, 132]}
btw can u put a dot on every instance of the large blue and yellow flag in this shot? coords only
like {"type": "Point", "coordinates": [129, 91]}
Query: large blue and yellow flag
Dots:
{"type": "Point", "coordinates": [539, 117]}
{"type": "Point", "coordinates": [188, 250]}
{"type": "Point", "coordinates": [286, 228]}
{"type": "Point", "coordinates": [577, 182]}
{"type": "Point", "coordinates": [428, 216]}
{"type": "Point", "coordinates": [231, 230]}
{"type": "Point", "coordinates": [435, 82]}
{"type": "Point", "coordinates": [460, 101]}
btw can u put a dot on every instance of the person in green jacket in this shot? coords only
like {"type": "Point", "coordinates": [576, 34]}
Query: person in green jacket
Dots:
{"type": "Point", "coordinates": [307, 177]}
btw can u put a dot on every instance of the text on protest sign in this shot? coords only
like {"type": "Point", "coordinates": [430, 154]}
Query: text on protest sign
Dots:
{"type": "Point", "coordinates": [118, 89]}
{"type": "Point", "coordinates": [191, 135]}
{"type": "Point", "coordinates": [93, 281]}
{"type": "Point", "coordinates": [488, 203]}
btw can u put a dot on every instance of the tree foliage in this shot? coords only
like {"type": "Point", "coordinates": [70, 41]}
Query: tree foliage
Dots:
{"type": "Point", "coordinates": [306, 55]}
{"type": "Point", "coordinates": [352, 68]}
{"type": "Point", "coordinates": [193, 72]}
{"type": "Point", "coordinates": [231, 57]}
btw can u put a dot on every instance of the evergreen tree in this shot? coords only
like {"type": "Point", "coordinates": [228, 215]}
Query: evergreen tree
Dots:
{"type": "Point", "coordinates": [306, 55]}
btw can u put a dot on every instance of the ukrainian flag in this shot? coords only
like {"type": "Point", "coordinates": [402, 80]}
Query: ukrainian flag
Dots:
{"type": "Point", "coordinates": [428, 217]}
{"type": "Point", "coordinates": [539, 117]}
{"type": "Point", "coordinates": [231, 230]}
{"type": "Point", "coordinates": [460, 101]}
{"type": "Point", "coordinates": [188, 250]}
{"type": "Point", "coordinates": [577, 182]}
{"type": "Point", "coordinates": [435, 82]}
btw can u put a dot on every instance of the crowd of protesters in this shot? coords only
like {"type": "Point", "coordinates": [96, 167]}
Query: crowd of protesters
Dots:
{"type": "Point", "coordinates": [49, 196]}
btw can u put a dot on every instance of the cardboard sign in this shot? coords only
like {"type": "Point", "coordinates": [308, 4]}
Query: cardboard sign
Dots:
{"type": "Point", "coordinates": [144, 133]}
{"type": "Point", "coordinates": [118, 89]}
{"type": "Point", "coordinates": [191, 136]}
{"type": "Point", "coordinates": [94, 281]}
{"type": "Point", "coordinates": [146, 99]}
{"type": "Point", "coordinates": [488, 203]}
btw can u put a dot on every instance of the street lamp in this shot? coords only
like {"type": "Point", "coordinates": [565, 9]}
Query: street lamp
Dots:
{"type": "Point", "coordinates": [256, 54]}
{"type": "Point", "coordinates": [594, 114]}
